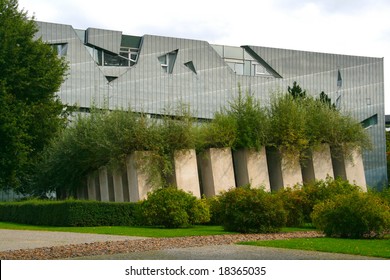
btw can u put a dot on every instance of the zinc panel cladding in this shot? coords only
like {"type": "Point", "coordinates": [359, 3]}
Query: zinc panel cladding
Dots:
{"type": "Point", "coordinates": [148, 88]}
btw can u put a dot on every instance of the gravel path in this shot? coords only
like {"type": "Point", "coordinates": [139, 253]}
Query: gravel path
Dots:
{"type": "Point", "coordinates": [131, 245]}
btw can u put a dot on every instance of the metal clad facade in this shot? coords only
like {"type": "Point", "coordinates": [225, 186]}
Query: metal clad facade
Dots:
{"type": "Point", "coordinates": [209, 83]}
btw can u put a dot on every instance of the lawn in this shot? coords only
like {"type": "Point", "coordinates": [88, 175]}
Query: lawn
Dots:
{"type": "Point", "coordinates": [374, 247]}
{"type": "Point", "coordinates": [127, 231]}
{"type": "Point", "coordinates": [137, 231]}
{"type": "Point", "coordinates": [364, 247]}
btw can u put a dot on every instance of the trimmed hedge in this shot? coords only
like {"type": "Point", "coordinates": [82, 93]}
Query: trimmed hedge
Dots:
{"type": "Point", "coordinates": [68, 213]}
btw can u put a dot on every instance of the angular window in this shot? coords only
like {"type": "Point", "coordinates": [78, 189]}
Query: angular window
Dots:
{"type": "Point", "coordinates": [127, 57]}
{"type": "Point", "coordinates": [367, 123]}
{"type": "Point", "coordinates": [111, 78]}
{"type": "Point", "coordinates": [129, 54]}
{"type": "Point", "coordinates": [167, 61]}
{"type": "Point", "coordinates": [60, 49]}
{"type": "Point", "coordinates": [190, 65]}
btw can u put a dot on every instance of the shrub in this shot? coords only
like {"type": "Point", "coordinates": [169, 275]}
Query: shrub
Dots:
{"type": "Point", "coordinates": [299, 201]}
{"type": "Point", "coordinates": [173, 208]}
{"type": "Point", "coordinates": [251, 210]}
{"type": "Point", "coordinates": [216, 210]}
{"type": "Point", "coordinates": [68, 213]}
{"type": "Point", "coordinates": [354, 215]}
{"type": "Point", "coordinates": [322, 190]}
{"type": "Point", "coordinates": [294, 202]}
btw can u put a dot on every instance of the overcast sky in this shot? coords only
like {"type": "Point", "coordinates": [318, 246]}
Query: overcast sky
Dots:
{"type": "Point", "coordinates": [353, 27]}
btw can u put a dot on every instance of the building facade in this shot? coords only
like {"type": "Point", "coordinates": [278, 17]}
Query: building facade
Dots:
{"type": "Point", "coordinates": [152, 74]}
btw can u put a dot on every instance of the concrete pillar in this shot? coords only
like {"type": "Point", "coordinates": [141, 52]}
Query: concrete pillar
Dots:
{"type": "Point", "coordinates": [318, 165]}
{"type": "Point", "coordinates": [350, 169]}
{"type": "Point", "coordinates": [216, 170]}
{"type": "Point", "coordinates": [138, 181]}
{"type": "Point", "coordinates": [186, 172]}
{"type": "Point", "coordinates": [82, 193]}
{"type": "Point", "coordinates": [250, 167]}
{"type": "Point", "coordinates": [283, 173]}
{"type": "Point", "coordinates": [91, 186]}
{"type": "Point", "coordinates": [104, 184]}
{"type": "Point", "coordinates": [118, 185]}
{"type": "Point", "coordinates": [292, 173]}
{"type": "Point", "coordinates": [274, 162]}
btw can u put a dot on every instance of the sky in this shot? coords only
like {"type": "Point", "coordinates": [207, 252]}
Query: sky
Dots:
{"type": "Point", "coordinates": [352, 27]}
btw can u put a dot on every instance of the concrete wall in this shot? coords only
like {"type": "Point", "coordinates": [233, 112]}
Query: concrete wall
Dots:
{"type": "Point", "coordinates": [250, 167]}
{"type": "Point", "coordinates": [216, 171]}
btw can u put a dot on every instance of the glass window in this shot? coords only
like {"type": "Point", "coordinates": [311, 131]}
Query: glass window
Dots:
{"type": "Point", "coordinates": [167, 61]}
{"type": "Point", "coordinates": [60, 49]}
{"type": "Point", "coordinates": [373, 120]}
{"type": "Point", "coordinates": [233, 52]}
{"type": "Point", "coordinates": [191, 66]}
{"type": "Point", "coordinates": [239, 68]}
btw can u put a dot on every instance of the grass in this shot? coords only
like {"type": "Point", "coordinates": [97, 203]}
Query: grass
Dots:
{"type": "Point", "coordinates": [364, 247]}
{"type": "Point", "coordinates": [127, 231]}
{"type": "Point", "coordinates": [198, 230]}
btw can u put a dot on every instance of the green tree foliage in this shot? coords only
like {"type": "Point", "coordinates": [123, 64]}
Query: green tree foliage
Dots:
{"type": "Point", "coordinates": [244, 124]}
{"type": "Point", "coordinates": [30, 115]}
{"type": "Point", "coordinates": [251, 122]}
{"type": "Point", "coordinates": [296, 91]}
{"type": "Point", "coordinates": [102, 138]}
{"type": "Point", "coordinates": [300, 123]}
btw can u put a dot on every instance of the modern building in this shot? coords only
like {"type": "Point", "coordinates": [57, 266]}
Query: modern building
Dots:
{"type": "Point", "coordinates": [152, 73]}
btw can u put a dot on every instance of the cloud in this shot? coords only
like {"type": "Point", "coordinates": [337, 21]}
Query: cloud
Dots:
{"type": "Point", "coordinates": [332, 6]}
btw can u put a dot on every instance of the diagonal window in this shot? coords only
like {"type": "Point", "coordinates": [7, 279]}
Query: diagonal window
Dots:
{"type": "Point", "coordinates": [167, 61]}
{"type": "Point", "coordinates": [190, 65]}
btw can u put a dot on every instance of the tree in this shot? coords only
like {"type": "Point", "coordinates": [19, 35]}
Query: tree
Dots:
{"type": "Point", "coordinates": [31, 114]}
{"type": "Point", "coordinates": [324, 98]}
{"type": "Point", "coordinates": [296, 91]}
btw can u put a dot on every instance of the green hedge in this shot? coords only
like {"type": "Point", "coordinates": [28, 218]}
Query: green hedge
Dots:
{"type": "Point", "coordinates": [68, 213]}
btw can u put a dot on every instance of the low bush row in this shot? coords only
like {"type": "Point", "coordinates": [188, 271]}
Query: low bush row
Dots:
{"type": "Point", "coordinates": [68, 213]}
{"type": "Point", "coordinates": [333, 206]}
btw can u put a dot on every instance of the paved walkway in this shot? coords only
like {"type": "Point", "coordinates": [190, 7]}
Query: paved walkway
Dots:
{"type": "Point", "coordinates": [30, 239]}
{"type": "Point", "coordinates": [228, 252]}
{"type": "Point", "coordinates": [25, 239]}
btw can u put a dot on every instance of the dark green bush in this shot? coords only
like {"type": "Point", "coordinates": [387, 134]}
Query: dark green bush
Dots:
{"type": "Point", "coordinates": [173, 208]}
{"type": "Point", "coordinates": [354, 215]}
{"type": "Point", "coordinates": [251, 210]}
{"type": "Point", "coordinates": [68, 213]}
